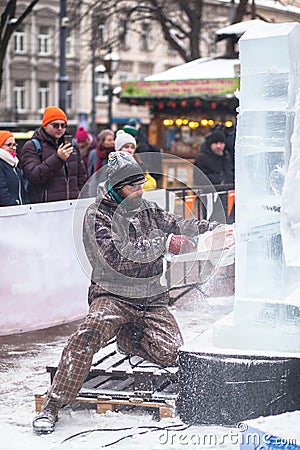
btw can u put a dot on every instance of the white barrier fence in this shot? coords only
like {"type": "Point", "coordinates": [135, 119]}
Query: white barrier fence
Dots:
{"type": "Point", "coordinates": [42, 281]}
{"type": "Point", "coordinates": [44, 278]}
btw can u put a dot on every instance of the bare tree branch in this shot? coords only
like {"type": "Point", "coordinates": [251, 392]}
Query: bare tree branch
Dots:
{"type": "Point", "coordinates": [9, 23]}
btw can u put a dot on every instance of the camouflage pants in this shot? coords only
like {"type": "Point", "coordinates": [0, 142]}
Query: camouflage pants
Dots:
{"type": "Point", "coordinates": [106, 319]}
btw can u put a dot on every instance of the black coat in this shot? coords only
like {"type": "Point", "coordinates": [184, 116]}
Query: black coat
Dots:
{"type": "Point", "coordinates": [151, 156]}
{"type": "Point", "coordinates": [218, 169]}
{"type": "Point", "coordinates": [12, 190]}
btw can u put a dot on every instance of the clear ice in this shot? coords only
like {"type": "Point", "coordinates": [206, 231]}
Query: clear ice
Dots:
{"type": "Point", "coordinates": [266, 314]}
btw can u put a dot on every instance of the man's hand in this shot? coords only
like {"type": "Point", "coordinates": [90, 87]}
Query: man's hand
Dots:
{"type": "Point", "coordinates": [64, 151]}
{"type": "Point", "coordinates": [178, 244]}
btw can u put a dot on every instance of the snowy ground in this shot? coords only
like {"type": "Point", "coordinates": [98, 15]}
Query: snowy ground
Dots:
{"type": "Point", "coordinates": [23, 373]}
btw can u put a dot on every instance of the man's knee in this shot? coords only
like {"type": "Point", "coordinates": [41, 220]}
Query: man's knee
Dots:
{"type": "Point", "coordinates": [168, 359]}
{"type": "Point", "coordinates": [166, 355]}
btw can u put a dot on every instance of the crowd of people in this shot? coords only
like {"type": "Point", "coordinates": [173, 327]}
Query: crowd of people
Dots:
{"type": "Point", "coordinates": [53, 166]}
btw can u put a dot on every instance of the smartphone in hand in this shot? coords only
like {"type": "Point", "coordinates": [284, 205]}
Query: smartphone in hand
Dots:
{"type": "Point", "coordinates": [68, 138]}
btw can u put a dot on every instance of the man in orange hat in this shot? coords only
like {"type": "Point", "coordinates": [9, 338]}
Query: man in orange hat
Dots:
{"type": "Point", "coordinates": [53, 169]}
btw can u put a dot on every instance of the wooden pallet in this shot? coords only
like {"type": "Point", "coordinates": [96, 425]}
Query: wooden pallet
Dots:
{"type": "Point", "coordinates": [104, 403]}
{"type": "Point", "coordinates": [117, 382]}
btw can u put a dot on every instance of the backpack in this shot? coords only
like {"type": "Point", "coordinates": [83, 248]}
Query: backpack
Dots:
{"type": "Point", "coordinates": [38, 148]}
{"type": "Point", "coordinates": [37, 145]}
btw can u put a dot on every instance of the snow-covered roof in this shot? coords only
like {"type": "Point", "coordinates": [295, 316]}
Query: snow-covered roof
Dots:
{"type": "Point", "coordinates": [238, 28]}
{"type": "Point", "coordinates": [201, 68]}
{"type": "Point", "coordinates": [273, 5]}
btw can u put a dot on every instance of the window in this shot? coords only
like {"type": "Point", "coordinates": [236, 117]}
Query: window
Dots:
{"type": "Point", "coordinates": [123, 33]}
{"type": "Point", "coordinates": [69, 95]}
{"type": "Point", "coordinates": [145, 37]}
{"type": "Point", "coordinates": [101, 30]}
{"type": "Point", "coordinates": [20, 40]}
{"type": "Point", "coordinates": [101, 86]}
{"type": "Point", "coordinates": [43, 95]}
{"type": "Point", "coordinates": [19, 95]}
{"type": "Point", "coordinates": [69, 44]}
{"type": "Point", "coordinates": [44, 40]}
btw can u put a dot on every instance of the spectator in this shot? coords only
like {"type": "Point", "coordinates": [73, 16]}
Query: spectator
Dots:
{"type": "Point", "coordinates": [214, 165]}
{"type": "Point", "coordinates": [57, 172]}
{"type": "Point", "coordinates": [230, 133]}
{"type": "Point", "coordinates": [106, 145]}
{"type": "Point", "coordinates": [125, 238]}
{"type": "Point", "coordinates": [150, 154]}
{"type": "Point", "coordinates": [106, 139]}
{"type": "Point", "coordinates": [127, 143]}
{"type": "Point", "coordinates": [214, 161]}
{"type": "Point", "coordinates": [12, 190]}
{"type": "Point", "coordinates": [87, 145]}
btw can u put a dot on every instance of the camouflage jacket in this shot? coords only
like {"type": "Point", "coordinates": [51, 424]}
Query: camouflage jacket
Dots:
{"type": "Point", "coordinates": [126, 248]}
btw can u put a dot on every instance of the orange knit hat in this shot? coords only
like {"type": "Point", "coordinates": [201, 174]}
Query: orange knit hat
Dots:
{"type": "Point", "coordinates": [4, 135]}
{"type": "Point", "coordinates": [52, 113]}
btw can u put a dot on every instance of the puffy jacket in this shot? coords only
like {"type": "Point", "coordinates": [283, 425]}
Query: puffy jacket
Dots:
{"type": "Point", "coordinates": [218, 169]}
{"type": "Point", "coordinates": [12, 190]}
{"type": "Point", "coordinates": [51, 179]}
{"type": "Point", "coordinates": [126, 248]}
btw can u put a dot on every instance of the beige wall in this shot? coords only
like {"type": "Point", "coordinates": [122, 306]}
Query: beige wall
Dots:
{"type": "Point", "coordinates": [134, 62]}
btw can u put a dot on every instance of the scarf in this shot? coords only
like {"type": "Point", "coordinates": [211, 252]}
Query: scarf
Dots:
{"type": "Point", "coordinates": [102, 153]}
{"type": "Point", "coordinates": [8, 158]}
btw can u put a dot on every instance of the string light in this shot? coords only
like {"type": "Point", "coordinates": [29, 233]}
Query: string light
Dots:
{"type": "Point", "coordinates": [193, 124]}
{"type": "Point", "coordinates": [167, 122]}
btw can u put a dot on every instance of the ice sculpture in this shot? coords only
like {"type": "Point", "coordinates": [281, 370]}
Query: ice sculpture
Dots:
{"type": "Point", "coordinates": [248, 364]}
{"type": "Point", "coordinates": [267, 314]}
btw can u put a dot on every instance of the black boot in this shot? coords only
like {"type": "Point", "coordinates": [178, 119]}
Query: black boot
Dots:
{"type": "Point", "coordinates": [44, 421]}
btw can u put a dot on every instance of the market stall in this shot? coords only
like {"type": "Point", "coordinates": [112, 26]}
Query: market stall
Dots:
{"type": "Point", "coordinates": [187, 102]}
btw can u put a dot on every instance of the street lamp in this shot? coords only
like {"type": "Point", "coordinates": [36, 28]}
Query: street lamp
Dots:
{"type": "Point", "coordinates": [111, 63]}
{"type": "Point", "coordinates": [63, 79]}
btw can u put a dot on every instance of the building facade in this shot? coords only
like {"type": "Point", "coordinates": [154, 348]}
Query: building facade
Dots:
{"type": "Point", "coordinates": [32, 65]}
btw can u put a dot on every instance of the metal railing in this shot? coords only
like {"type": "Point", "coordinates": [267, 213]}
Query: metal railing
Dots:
{"type": "Point", "coordinates": [199, 202]}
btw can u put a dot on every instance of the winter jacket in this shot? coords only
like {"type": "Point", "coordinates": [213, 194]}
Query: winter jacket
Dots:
{"type": "Point", "coordinates": [50, 178]}
{"type": "Point", "coordinates": [125, 248]}
{"type": "Point", "coordinates": [12, 190]}
{"type": "Point", "coordinates": [218, 169]}
{"type": "Point", "coordinates": [90, 159]}
{"type": "Point", "coordinates": [151, 156]}
{"type": "Point", "coordinates": [150, 183]}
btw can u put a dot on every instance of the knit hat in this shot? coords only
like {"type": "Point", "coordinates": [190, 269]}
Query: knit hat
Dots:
{"type": "Point", "coordinates": [216, 136]}
{"type": "Point", "coordinates": [122, 139]}
{"type": "Point", "coordinates": [131, 127]}
{"type": "Point", "coordinates": [123, 169]}
{"type": "Point", "coordinates": [82, 135]}
{"type": "Point", "coordinates": [4, 135]}
{"type": "Point", "coordinates": [102, 135]}
{"type": "Point", "coordinates": [52, 113]}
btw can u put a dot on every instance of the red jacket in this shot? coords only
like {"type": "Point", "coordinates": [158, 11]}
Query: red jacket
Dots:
{"type": "Point", "coordinates": [51, 179]}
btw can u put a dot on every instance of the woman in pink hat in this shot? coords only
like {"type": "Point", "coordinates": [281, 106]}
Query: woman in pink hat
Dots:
{"type": "Point", "coordinates": [12, 191]}
{"type": "Point", "coordinates": [87, 144]}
